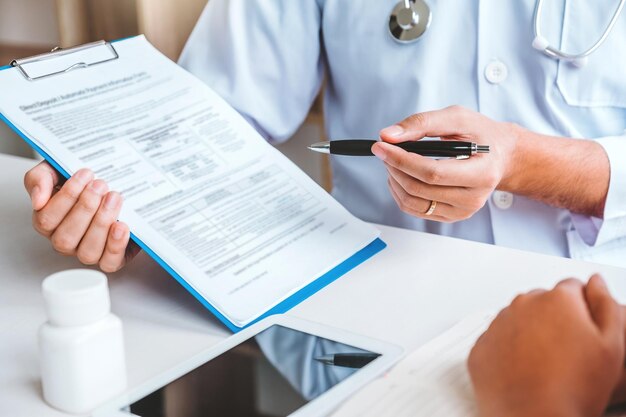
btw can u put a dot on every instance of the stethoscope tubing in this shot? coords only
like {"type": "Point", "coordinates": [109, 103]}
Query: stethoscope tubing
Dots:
{"type": "Point", "coordinates": [540, 43]}
{"type": "Point", "coordinates": [557, 53]}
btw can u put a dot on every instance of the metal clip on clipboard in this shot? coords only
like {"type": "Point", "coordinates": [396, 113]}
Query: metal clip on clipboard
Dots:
{"type": "Point", "coordinates": [88, 48]}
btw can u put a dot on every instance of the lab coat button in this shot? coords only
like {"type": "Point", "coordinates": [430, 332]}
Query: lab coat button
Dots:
{"type": "Point", "coordinates": [502, 199]}
{"type": "Point", "coordinates": [496, 72]}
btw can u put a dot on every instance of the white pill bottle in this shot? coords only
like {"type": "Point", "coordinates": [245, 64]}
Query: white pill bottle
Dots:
{"type": "Point", "coordinates": [81, 346]}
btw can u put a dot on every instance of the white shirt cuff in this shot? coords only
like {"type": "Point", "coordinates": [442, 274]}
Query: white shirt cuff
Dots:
{"type": "Point", "coordinates": [595, 231]}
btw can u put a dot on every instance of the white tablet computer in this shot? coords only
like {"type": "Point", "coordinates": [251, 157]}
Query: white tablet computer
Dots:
{"type": "Point", "coordinates": [280, 366]}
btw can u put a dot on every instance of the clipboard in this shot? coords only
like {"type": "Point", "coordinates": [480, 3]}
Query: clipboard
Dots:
{"type": "Point", "coordinates": [22, 65]}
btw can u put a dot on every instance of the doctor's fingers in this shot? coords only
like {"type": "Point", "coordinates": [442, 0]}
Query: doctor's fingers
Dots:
{"type": "Point", "coordinates": [67, 236]}
{"type": "Point", "coordinates": [91, 247]}
{"type": "Point", "coordinates": [48, 218]}
{"type": "Point", "coordinates": [468, 198]}
{"type": "Point", "coordinates": [451, 121]}
{"type": "Point", "coordinates": [474, 172]}
{"type": "Point", "coordinates": [416, 206]}
{"type": "Point", "coordinates": [40, 182]}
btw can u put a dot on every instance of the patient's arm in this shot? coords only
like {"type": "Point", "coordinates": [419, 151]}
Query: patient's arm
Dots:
{"type": "Point", "coordinates": [551, 353]}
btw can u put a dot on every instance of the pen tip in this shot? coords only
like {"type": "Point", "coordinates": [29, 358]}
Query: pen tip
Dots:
{"type": "Point", "coordinates": [322, 147]}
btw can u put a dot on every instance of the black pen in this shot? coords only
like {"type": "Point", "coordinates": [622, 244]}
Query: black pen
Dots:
{"type": "Point", "coordinates": [348, 360]}
{"type": "Point", "coordinates": [432, 148]}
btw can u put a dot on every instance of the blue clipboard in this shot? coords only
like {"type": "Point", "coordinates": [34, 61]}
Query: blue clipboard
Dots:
{"type": "Point", "coordinates": [361, 256]}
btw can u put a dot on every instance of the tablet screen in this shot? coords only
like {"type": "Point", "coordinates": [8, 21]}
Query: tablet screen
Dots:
{"type": "Point", "coordinates": [272, 374]}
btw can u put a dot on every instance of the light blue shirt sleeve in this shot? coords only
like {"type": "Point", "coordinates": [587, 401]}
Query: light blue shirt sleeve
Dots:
{"type": "Point", "coordinates": [595, 231]}
{"type": "Point", "coordinates": [263, 57]}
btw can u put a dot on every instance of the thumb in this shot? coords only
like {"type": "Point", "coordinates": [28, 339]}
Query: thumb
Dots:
{"type": "Point", "coordinates": [604, 310]}
{"type": "Point", "coordinates": [451, 121]}
{"type": "Point", "coordinates": [39, 183]}
{"type": "Point", "coordinates": [411, 128]}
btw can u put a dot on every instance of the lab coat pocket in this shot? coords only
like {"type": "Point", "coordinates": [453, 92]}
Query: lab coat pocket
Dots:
{"type": "Point", "coordinates": [602, 80]}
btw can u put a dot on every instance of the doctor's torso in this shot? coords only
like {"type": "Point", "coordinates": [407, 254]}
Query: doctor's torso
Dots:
{"type": "Point", "coordinates": [476, 54]}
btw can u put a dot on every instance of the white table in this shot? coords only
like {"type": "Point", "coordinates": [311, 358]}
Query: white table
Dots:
{"type": "Point", "coordinates": [413, 290]}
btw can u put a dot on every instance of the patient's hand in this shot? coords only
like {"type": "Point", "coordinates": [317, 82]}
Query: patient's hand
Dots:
{"type": "Point", "coordinates": [79, 217]}
{"type": "Point", "coordinates": [551, 353]}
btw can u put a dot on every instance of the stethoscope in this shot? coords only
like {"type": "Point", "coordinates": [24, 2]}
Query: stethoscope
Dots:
{"type": "Point", "coordinates": [410, 19]}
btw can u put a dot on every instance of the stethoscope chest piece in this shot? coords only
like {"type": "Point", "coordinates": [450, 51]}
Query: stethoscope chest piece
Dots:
{"type": "Point", "coordinates": [409, 20]}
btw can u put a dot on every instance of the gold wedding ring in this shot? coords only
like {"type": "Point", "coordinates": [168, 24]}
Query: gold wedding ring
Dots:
{"type": "Point", "coordinates": [431, 209]}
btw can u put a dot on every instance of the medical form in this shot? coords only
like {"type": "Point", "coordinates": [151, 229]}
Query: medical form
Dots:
{"type": "Point", "coordinates": [228, 215]}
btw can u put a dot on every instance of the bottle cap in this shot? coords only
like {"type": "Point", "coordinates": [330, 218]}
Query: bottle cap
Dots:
{"type": "Point", "coordinates": [76, 297]}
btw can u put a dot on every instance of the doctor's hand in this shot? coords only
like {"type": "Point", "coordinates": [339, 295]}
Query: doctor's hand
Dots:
{"type": "Point", "coordinates": [79, 217]}
{"type": "Point", "coordinates": [459, 187]}
{"type": "Point", "coordinates": [551, 353]}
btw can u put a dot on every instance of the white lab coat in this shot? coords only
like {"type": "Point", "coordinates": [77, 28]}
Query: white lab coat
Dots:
{"type": "Point", "coordinates": [268, 59]}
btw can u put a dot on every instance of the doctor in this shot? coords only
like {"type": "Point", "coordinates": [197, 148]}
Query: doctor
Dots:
{"type": "Point", "coordinates": [555, 181]}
